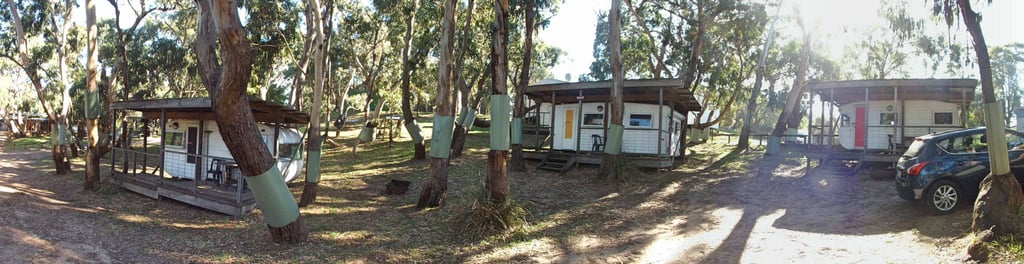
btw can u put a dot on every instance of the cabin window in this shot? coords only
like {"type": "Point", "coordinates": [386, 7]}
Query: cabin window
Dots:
{"type": "Point", "coordinates": [593, 119]}
{"type": "Point", "coordinates": [640, 120]}
{"type": "Point", "coordinates": [844, 121]}
{"type": "Point", "coordinates": [943, 118]}
{"type": "Point", "coordinates": [287, 150]}
{"type": "Point", "coordinates": [887, 119]}
{"type": "Point", "coordinates": [175, 139]}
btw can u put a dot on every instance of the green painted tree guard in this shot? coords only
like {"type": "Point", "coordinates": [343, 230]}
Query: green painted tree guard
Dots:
{"type": "Point", "coordinates": [468, 121]}
{"type": "Point", "coordinates": [414, 131]}
{"type": "Point", "coordinates": [999, 156]}
{"type": "Point", "coordinates": [500, 121]}
{"type": "Point", "coordinates": [462, 116]}
{"type": "Point", "coordinates": [274, 198]}
{"type": "Point", "coordinates": [313, 166]}
{"type": "Point", "coordinates": [613, 144]}
{"type": "Point", "coordinates": [441, 139]}
{"type": "Point", "coordinates": [367, 134]}
{"type": "Point", "coordinates": [92, 104]}
{"type": "Point", "coordinates": [517, 131]}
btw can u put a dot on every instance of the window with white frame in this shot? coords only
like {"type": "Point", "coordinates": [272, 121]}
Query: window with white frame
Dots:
{"type": "Point", "coordinates": [175, 139]}
{"type": "Point", "coordinates": [640, 120]}
{"type": "Point", "coordinates": [593, 119]}
{"type": "Point", "coordinates": [942, 118]}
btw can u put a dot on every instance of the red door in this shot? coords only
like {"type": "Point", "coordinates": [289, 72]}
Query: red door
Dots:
{"type": "Point", "coordinates": [860, 124]}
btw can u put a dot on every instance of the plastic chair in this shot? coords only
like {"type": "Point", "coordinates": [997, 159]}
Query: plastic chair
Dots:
{"type": "Point", "coordinates": [216, 171]}
{"type": "Point", "coordinates": [895, 146]}
{"type": "Point", "coordinates": [598, 143]}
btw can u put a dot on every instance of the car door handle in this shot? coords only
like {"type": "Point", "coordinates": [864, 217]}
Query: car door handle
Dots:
{"type": "Point", "coordinates": [960, 163]}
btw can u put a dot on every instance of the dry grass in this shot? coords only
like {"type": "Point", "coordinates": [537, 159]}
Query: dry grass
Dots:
{"type": "Point", "coordinates": [573, 217]}
{"type": "Point", "coordinates": [353, 221]}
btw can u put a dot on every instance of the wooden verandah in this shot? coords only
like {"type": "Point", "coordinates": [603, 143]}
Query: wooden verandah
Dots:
{"type": "Point", "coordinates": [143, 170]}
{"type": "Point", "coordinates": [823, 136]}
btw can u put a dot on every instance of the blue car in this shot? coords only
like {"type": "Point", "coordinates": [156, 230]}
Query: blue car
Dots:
{"type": "Point", "coordinates": [944, 168]}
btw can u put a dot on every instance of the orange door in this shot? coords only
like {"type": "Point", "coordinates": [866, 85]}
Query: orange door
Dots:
{"type": "Point", "coordinates": [569, 120]}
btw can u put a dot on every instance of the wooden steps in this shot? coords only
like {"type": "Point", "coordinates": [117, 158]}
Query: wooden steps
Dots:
{"type": "Point", "coordinates": [557, 161]}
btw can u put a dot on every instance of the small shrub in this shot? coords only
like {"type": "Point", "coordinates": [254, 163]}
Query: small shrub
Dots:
{"type": "Point", "coordinates": [1008, 249]}
{"type": "Point", "coordinates": [485, 218]}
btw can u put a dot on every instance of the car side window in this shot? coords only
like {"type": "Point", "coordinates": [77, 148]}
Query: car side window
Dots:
{"type": "Point", "coordinates": [964, 144]}
{"type": "Point", "coordinates": [1014, 140]}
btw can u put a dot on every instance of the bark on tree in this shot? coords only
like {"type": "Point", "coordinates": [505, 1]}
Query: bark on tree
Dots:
{"type": "Point", "coordinates": [313, 148]}
{"type": "Point", "coordinates": [218, 20]}
{"type": "Point", "coordinates": [518, 162]}
{"type": "Point", "coordinates": [744, 140]}
{"type": "Point", "coordinates": [496, 185]}
{"type": "Point", "coordinates": [435, 192]}
{"type": "Point", "coordinates": [92, 164]}
{"type": "Point", "coordinates": [419, 149]}
{"type": "Point", "coordinates": [796, 92]}
{"type": "Point", "coordinates": [1000, 198]}
{"type": "Point", "coordinates": [463, 88]}
{"type": "Point", "coordinates": [58, 151]}
{"type": "Point", "coordinates": [610, 160]}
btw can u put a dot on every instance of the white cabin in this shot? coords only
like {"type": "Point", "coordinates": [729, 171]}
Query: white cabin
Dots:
{"type": "Point", "coordinates": [192, 164]}
{"type": "Point", "coordinates": [573, 118]}
{"type": "Point", "coordinates": [647, 130]}
{"type": "Point", "coordinates": [181, 134]}
{"type": "Point", "coordinates": [878, 114]}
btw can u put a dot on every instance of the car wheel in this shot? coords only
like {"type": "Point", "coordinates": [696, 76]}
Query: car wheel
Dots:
{"type": "Point", "coordinates": [943, 197]}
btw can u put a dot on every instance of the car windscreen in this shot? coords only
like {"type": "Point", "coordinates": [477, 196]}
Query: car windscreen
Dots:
{"type": "Point", "coordinates": [914, 148]}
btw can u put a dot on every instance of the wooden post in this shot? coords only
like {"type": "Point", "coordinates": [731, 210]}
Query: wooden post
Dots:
{"type": "Point", "coordinates": [661, 110]}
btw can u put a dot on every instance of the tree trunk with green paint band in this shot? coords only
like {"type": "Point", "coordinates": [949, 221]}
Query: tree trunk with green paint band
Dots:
{"type": "Point", "coordinates": [414, 131]}
{"type": "Point", "coordinates": [613, 144]}
{"type": "Point", "coordinates": [92, 104]}
{"type": "Point", "coordinates": [462, 115]}
{"type": "Point", "coordinates": [517, 131]}
{"type": "Point", "coordinates": [441, 140]}
{"type": "Point", "coordinates": [467, 121]}
{"type": "Point", "coordinates": [274, 198]}
{"type": "Point", "coordinates": [313, 166]}
{"type": "Point", "coordinates": [367, 134]}
{"type": "Point", "coordinates": [500, 121]}
{"type": "Point", "coordinates": [999, 159]}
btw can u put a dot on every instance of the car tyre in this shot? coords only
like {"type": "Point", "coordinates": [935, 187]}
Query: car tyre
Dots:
{"type": "Point", "coordinates": [943, 197]}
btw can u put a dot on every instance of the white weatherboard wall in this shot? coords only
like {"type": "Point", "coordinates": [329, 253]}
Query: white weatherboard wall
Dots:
{"type": "Point", "coordinates": [176, 161]}
{"type": "Point", "coordinates": [635, 139]}
{"type": "Point", "coordinates": [919, 120]}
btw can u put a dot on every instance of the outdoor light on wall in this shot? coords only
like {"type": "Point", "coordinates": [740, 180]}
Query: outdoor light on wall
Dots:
{"type": "Point", "coordinates": [174, 125]}
{"type": "Point", "coordinates": [600, 108]}
{"type": "Point", "coordinates": [889, 108]}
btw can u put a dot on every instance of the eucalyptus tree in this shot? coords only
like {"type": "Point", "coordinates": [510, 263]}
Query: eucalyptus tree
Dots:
{"type": "Point", "coordinates": [695, 40]}
{"type": "Point", "coordinates": [435, 192]}
{"type": "Point", "coordinates": [462, 89]}
{"type": "Point", "coordinates": [1007, 66]}
{"type": "Point", "coordinates": [496, 184]}
{"type": "Point", "coordinates": [54, 41]}
{"type": "Point", "coordinates": [270, 25]}
{"type": "Point", "coordinates": [225, 66]}
{"type": "Point", "coordinates": [1000, 199]}
{"type": "Point", "coordinates": [318, 16]}
{"type": "Point", "coordinates": [92, 107]}
{"type": "Point", "coordinates": [610, 160]}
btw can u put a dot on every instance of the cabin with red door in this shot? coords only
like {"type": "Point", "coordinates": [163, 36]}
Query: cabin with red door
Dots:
{"type": "Point", "coordinates": [885, 114]}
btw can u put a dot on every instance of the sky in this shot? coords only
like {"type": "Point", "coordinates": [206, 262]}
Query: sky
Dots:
{"type": "Point", "coordinates": [572, 29]}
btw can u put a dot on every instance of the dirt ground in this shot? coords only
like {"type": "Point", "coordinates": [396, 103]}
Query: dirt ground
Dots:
{"type": "Point", "coordinates": [776, 210]}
